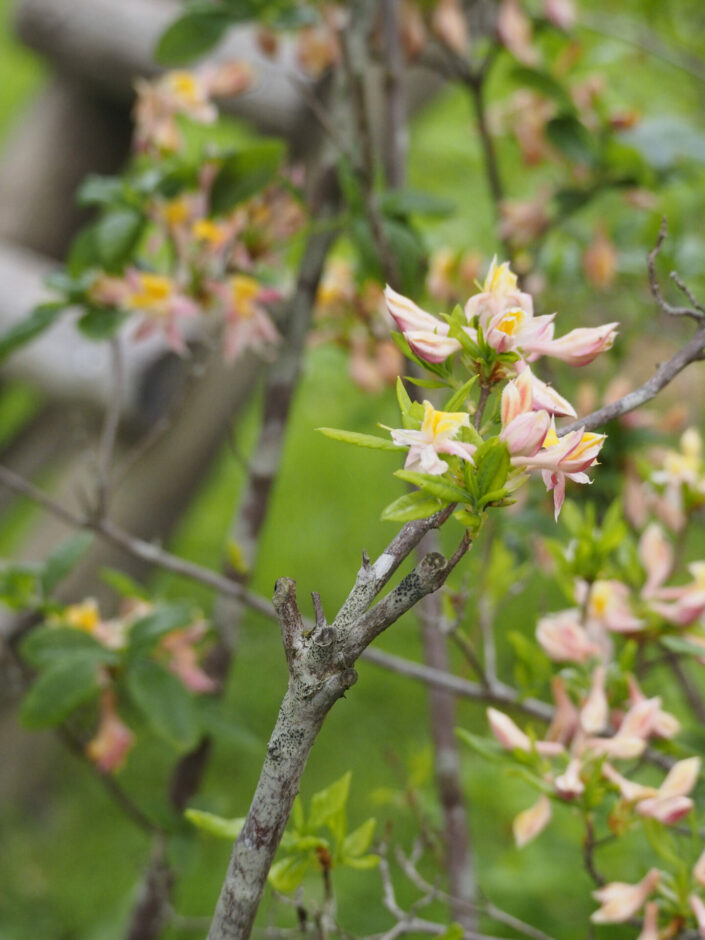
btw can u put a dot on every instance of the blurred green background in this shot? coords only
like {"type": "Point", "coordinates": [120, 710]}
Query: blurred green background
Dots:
{"type": "Point", "coordinates": [69, 863]}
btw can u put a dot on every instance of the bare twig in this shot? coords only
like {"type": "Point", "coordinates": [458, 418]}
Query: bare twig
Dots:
{"type": "Point", "coordinates": [696, 312]}
{"type": "Point", "coordinates": [409, 867]}
{"type": "Point", "coordinates": [110, 426]}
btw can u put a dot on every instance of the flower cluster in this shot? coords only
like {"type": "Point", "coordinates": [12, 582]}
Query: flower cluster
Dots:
{"type": "Point", "coordinates": [170, 638]}
{"type": "Point", "coordinates": [496, 335]}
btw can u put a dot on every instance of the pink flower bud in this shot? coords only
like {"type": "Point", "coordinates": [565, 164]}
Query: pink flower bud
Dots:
{"type": "Point", "coordinates": [698, 908]}
{"type": "Point", "coordinates": [656, 555]}
{"type": "Point", "coordinates": [529, 823]}
{"type": "Point", "coordinates": [569, 785]}
{"type": "Point", "coordinates": [667, 811]}
{"type": "Point", "coordinates": [506, 732]}
{"type": "Point", "coordinates": [594, 714]}
{"type": "Point", "coordinates": [581, 346]}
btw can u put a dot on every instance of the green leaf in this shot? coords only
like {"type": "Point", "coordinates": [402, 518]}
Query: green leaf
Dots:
{"type": "Point", "coordinates": [145, 632]}
{"type": "Point", "coordinates": [329, 802]}
{"type": "Point", "coordinates": [416, 505]}
{"type": "Point", "coordinates": [46, 645]}
{"type": "Point", "coordinates": [425, 383]}
{"type": "Point", "coordinates": [494, 496]}
{"type": "Point", "coordinates": [359, 840]}
{"type": "Point", "coordinates": [23, 332]}
{"type": "Point", "coordinates": [166, 704]}
{"type": "Point", "coordinates": [243, 174]}
{"type": "Point", "coordinates": [403, 202]}
{"type": "Point", "coordinates": [402, 397]}
{"type": "Point", "coordinates": [542, 82]}
{"type": "Point", "coordinates": [58, 690]}
{"type": "Point", "coordinates": [454, 931]}
{"type": "Point", "coordinates": [215, 825]}
{"type": "Point", "coordinates": [362, 863]}
{"type": "Point", "coordinates": [434, 485]}
{"type": "Point", "coordinates": [361, 440]}
{"type": "Point", "coordinates": [572, 138]}
{"type": "Point", "coordinates": [117, 235]}
{"type": "Point", "coordinates": [492, 462]}
{"type": "Point", "coordinates": [680, 645]}
{"type": "Point", "coordinates": [122, 584]}
{"type": "Point", "coordinates": [190, 36]}
{"type": "Point", "coordinates": [286, 876]}
{"type": "Point", "coordinates": [62, 562]}
{"type": "Point", "coordinates": [457, 399]}
{"type": "Point", "coordinates": [297, 814]}
{"type": "Point", "coordinates": [486, 747]}
{"type": "Point", "coordinates": [99, 190]}
{"type": "Point", "coordinates": [100, 322]}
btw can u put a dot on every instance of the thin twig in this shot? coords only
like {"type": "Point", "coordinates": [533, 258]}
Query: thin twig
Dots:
{"type": "Point", "coordinates": [110, 425]}
{"type": "Point", "coordinates": [395, 135]}
{"type": "Point", "coordinates": [664, 306]}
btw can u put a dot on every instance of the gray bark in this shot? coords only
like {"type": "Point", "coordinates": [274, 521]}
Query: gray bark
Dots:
{"type": "Point", "coordinates": [321, 668]}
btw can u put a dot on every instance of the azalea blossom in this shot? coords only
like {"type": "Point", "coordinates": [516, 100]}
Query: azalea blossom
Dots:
{"type": "Point", "coordinates": [563, 458]}
{"type": "Point", "coordinates": [248, 325]}
{"type": "Point", "coordinates": [564, 639]}
{"type": "Point", "coordinates": [568, 784]}
{"type": "Point", "coordinates": [620, 901]}
{"type": "Point", "coordinates": [649, 930]}
{"type": "Point", "coordinates": [672, 802]}
{"type": "Point", "coordinates": [594, 714]}
{"type": "Point", "coordinates": [436, 436]}
{"type": "Point", "coordinates": [608, 605]}
{"type": "Point", "coordinates": [163, 305]}
{"type": "Point", "coordinates": [109, 748]}
{"type": "Point", "coordinates": [183, 658]}
{"type": "Point", "coordinates": [698, 908]}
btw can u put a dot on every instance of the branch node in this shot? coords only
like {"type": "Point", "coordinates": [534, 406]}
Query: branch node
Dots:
{"type": "Point", "coordinates": [324, 637]}
{"type": "Point", "coordinates": [365, 560]}
{"type": "Point", "coordinates": [321, 622]}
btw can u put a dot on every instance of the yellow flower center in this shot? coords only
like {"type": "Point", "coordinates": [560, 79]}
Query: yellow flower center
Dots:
{"type": "Point", "coordinates": [600, 598]}
{"type": "Point", "coordinates": [511, 322]}
{"type": "Point", "coordinates": [207, 231]}
{"type": "Point", "coordinates": [82, 616]}
{"type": "Point", "coordinates": [175, 212]}
{"type": "Point", "coordinates": [153, 291]}
{"type": "Point", "coordinates": [186, 87]}
{"type": "Point", "coordinates": [243, 292]}
{"type": "Point", "coordinates": [586, 441]}
{"type": "Point", "coordinates": [551, 438]}
{"type": "Point", "coordinates": [442, 423]}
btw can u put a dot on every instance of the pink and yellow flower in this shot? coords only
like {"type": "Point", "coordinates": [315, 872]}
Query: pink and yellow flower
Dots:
{"type": "Point", "coordinates": [436, 436]}
{"type": "Point", "coordinates": [426, 335]}
{"type": "Point", "coordinates": [620, 901]}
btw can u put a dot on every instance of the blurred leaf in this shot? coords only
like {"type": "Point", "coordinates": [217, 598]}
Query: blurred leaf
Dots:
{"type": "Point", "coordinates": [363, 863]}
{"type": "Point", "coordinates": [486, 747]}
{"type": "Point", "coordinates": [665, 141]}
{"type": "Point", "coordinates": [117, 235]}
{"type": "Point", "coordinates": [543, 82]}
{"type": "Point", "coordinates": [359, 840]}
{"type": "Point", "coordinates": [39, 320]}
{"type": "Point", "coordinates": [123, 584]}
{"type": "Point", "coordinates": [45, 645]}
{"type": "Point", "coordinates": [572, 138]}
{"type": "Point", "coordinates": [145, 632]}
{"type": "Point", "coordinates": [99, 323]}
{"type": "Point", "coordinates": [360, 440]}
{"type": "Point", "coordinates": [492, 466]}
{"type": "Point", "coordinates": [192, 35]}
{"type": "Point", "coordinates": [62, 561]}
{"type": "Point", "coordinates": [244, 173]}
{"type": "Point", "coordinates": [98, 190]}
{"type": "Point", "coordinates": [215, 825]}
{"type": "Point", "coordinates": [168, 707]}
{"type": "Point", "coordinates": [403, 202]}
{"type": "Point", "coordinates": [328, 802]}
{"type": "Point", "coordinates": [58, 690]}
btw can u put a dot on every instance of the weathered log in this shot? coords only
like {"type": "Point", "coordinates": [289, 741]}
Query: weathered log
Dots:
{"type": "Point", "coordinates": [65, 134]}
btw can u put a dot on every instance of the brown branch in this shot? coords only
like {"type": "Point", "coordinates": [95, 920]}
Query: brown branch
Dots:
{"type": "Point", "coordinates": [696, 311]}
{"type": "Point", "coordinates": [458, 854]}
{"type": "Point", "coordinates": [395, 132]}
